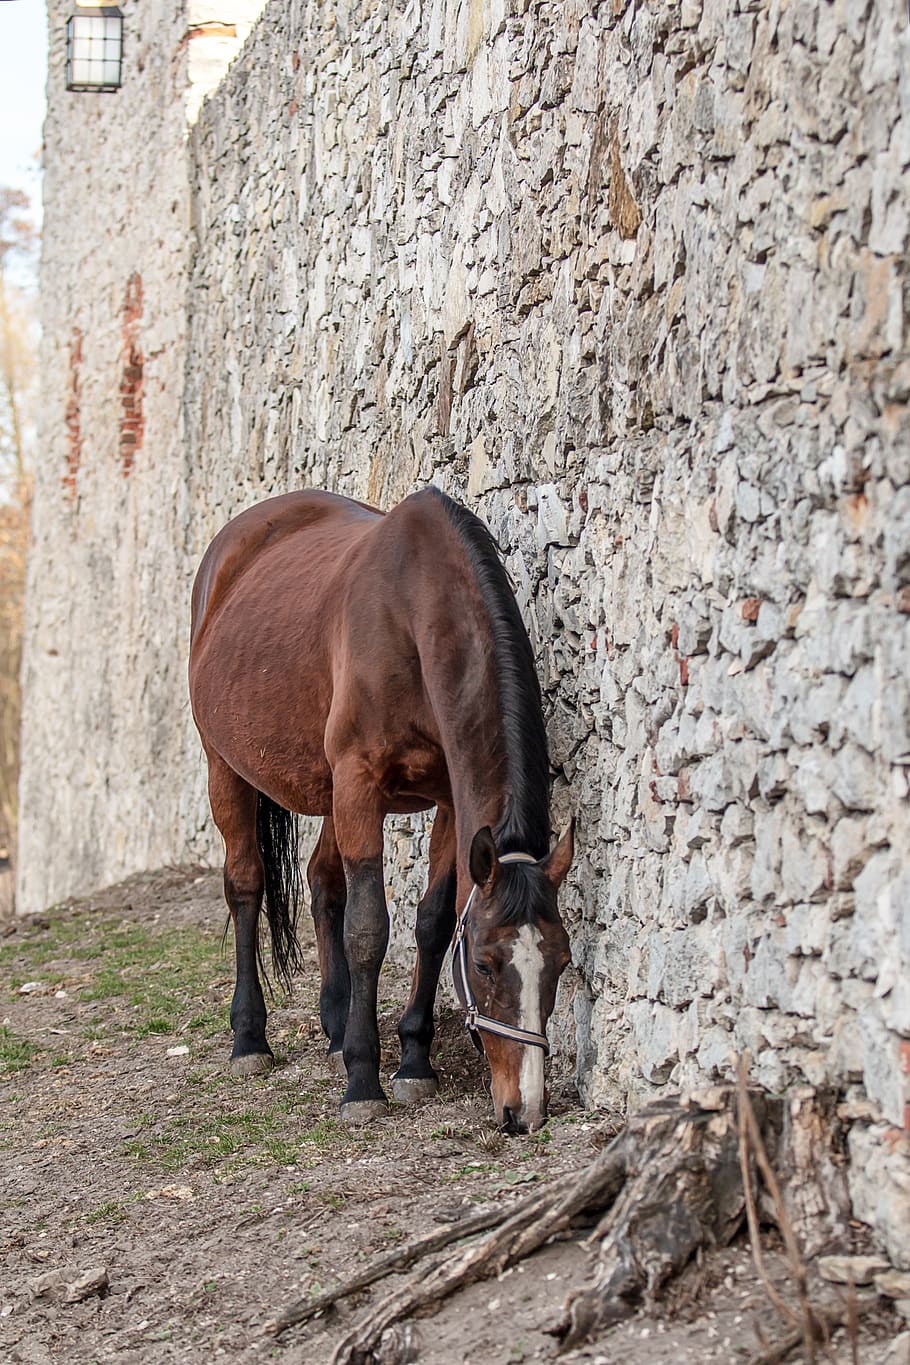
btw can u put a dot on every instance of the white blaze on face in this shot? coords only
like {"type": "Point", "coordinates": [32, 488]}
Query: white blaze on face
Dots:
{"type": "Point", "coordinates": [527, 959]}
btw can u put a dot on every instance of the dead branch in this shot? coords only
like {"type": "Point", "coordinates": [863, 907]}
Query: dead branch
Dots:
{"type": "Point", "coordinates": [826, 1318]}
{"type": "Point", "coordinates": [812, 1327]}
{"type": "Point", "coordinates": [744, 1109]}
{"type": "Point", "coordinates": [794, 1256]}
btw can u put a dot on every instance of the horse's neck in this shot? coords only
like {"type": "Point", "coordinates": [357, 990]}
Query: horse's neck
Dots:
{"type": "Point", "coordinates": [474, 741]}
{"type": "Point", "coordinates": [480, 716]}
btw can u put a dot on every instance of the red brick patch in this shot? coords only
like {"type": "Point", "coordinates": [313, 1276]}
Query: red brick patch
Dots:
{"type": "Point", "coordinates": [132, 422]}
{"type": "Point", "coordinates": [73, 417]}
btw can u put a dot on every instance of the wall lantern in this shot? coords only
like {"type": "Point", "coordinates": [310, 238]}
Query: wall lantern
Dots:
{"type": "Point", "coordinates": [94, 48]}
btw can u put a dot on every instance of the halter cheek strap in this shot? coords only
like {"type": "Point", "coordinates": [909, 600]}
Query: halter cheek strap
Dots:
{"type": "Point", "coordinates": [475, 1022]}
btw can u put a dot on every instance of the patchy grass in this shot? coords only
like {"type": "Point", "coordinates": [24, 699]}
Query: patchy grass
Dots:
{"type": "Point", "coordinates": [276, 1132]}
{"type": "Point", "coordinates": [159, 979]}
{"type": "Point", "coordinates": [111, 1213]}
{"type": "Point", "coordinates": [154, 979]}
{"type": "Point", "coordinates": [16, 1053]}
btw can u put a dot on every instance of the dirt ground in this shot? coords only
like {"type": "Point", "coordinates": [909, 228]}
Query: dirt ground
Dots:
{"type": "Point", "coordinates": [211, 1203]}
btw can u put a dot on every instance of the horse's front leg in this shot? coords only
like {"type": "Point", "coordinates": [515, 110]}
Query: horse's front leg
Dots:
{"type": "Point", "coordinates": [358, 830]}
{"type": "Point", "coordinates": [233, 804]}
{"type": "Point", "coordinates": [328, 892]}
{"type": "Point", "coordinates": [415, 1078]}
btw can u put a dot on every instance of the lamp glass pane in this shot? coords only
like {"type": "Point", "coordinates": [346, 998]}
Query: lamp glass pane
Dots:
{"type": "Point", "coordinates": [95, 50]}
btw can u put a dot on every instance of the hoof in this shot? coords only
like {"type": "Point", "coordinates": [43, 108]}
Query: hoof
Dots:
{"type": "Point", "coordinates": [408, 1090]}
{"type": "Point", "coordinates": [335, 1062]}
{"type": "Point", "coordinates": [252, 1064]}
{"type": "Point", "coordinates": [356, 1113]}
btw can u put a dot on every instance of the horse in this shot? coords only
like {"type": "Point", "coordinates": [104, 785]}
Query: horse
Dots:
{"type": "Point", "coordinates": [351, 664]}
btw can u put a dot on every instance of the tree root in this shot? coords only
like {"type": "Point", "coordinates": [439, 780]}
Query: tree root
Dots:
{"type": "Point", "coordinates": [400, 1259]}
{"type": "Point", "coordinates": [675, 1179]}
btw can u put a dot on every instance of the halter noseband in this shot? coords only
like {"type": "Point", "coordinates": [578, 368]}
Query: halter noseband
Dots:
{"type": "Point", "coordinates": [475, 1022]}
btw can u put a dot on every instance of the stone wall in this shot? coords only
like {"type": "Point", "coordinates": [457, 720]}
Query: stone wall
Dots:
{"type": "Point", "coordinates": [110, 761]}
{"type": "Point", "coordinates": [631, 279]}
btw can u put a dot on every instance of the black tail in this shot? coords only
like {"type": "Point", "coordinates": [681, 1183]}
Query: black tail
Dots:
{"type": "Point", "coordinates": [277, 834]}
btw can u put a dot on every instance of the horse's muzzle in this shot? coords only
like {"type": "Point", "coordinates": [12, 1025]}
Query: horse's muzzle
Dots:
{"type": "Point", "coordinates": [523, 1122]}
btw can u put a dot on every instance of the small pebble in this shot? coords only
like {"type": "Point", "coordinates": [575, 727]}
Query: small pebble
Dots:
{"type": "Point", "coordinates": [858, 1269]}
{"type": "Point", "coordinates": [893, 1284]}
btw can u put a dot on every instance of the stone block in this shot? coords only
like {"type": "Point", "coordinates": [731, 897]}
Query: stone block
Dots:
{"type": "Point", "coordinates": [552, 517]}
{"type": "Point", "coordinates": [737, 825]}
{"type": "Point", "coordinates": [805, 871]}
{"type": "Point", "coordinates": [879, 1181]}
{"type": "Point", "coordinates": [655, 1029]}
{"type": "Point", "coordinates": [769, 828]}
{"type": "Point", "coordinates": [682, 966]}
{"type": "Point", "coordinates": [813, 780]}
{"type": "Point", "coordinates": [855, 781]}
{"type": "Point", "coordinates": [850, 849]}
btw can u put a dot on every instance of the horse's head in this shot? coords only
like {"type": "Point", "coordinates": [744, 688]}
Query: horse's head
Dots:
{"type": "Point", "coordinates": [512, 948]}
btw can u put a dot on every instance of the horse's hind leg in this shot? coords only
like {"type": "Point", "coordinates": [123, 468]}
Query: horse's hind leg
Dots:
{"type": "Point", "coordinates": [358, 829]}
{"type": "Point", "coordinates": [416, 1079]}
{"type": "Point", "coordinates": [328, 893]}
{"type": "Point", "coordinates": [233, 804]}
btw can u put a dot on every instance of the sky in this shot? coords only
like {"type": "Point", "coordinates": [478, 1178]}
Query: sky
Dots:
{"type": "Point", "coordinates": [23, 68]}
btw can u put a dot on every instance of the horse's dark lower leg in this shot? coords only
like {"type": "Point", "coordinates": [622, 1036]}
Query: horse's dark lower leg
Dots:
{"type": "Point", "coordinates": [328, 894]}
{"type": "Point", "coordinates": [251, 1051]}
{"type": "Point", "coordinates": [357, 817]}
{"type": "Point", "coordinates": [415, 1077]}
{"type": "Point", "coordinates": [366, 937]}
{"type": "Point", "coordinates": [234, 809]}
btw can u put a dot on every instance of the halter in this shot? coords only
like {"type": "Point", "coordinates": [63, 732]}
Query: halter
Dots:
{"type": "Point", "coordinates": [474, 1020]}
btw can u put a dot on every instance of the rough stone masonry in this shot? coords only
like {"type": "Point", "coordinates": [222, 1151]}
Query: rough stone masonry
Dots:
{"type": "Point", "coordinates": [631, 279]}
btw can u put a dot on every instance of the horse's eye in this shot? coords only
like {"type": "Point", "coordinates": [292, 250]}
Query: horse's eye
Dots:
{"type": "Point", "coordinates": [483, 969]}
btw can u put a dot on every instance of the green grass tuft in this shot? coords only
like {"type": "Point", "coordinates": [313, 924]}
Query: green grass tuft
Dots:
{"type": "Point", "coordinates": [16, 1054]}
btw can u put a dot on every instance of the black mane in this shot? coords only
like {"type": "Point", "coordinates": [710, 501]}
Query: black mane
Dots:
{"type": "Point", "coordinates": [524, 825]}
{"type": "Point", "coordinates": [523, 895]}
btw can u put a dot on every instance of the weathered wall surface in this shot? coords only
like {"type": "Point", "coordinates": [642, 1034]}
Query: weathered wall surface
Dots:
{"type": "Point", "coordinates": [632, 279]}
{"type": "Point", "coordinates": [102, 658]}
{"type": "Point", "coordinates": [110, 763]}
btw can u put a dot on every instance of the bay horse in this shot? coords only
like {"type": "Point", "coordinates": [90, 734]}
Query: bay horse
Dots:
{"type": "Point", "coordinates": [350, 664]}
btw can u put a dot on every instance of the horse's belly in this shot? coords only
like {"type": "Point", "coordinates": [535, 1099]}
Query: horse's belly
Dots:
{"type": "Point", "coordinates": [276, 743]}
{"type": "Point", "coordinates": [297, 777]}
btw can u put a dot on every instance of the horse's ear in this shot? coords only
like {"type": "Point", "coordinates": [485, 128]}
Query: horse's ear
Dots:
{"type": "Point", "coordinates": [483, 861]}
{"type": "Point", "coordinates": [557, 863]}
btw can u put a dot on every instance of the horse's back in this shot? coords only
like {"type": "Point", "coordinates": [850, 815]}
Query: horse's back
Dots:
{"type": "Point", "coordinates": [239, 544]}
{"type": "Point", "coordinates": [313, 619]}
{"type": "Point", "coordinates": [264, 603]}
